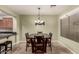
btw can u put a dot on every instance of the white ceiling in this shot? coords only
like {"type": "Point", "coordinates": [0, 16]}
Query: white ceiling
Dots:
{"type": "Point", "coordinates": [45, 9]}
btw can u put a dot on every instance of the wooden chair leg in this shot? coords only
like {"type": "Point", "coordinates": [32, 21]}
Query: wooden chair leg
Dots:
{"type": "Point", "coordinates": [50, 44]}
{"type": "Point", "coordinates": [26, 47]}
{"type": "Point", "coordinates": [11, 47]}
{"type": "Point", "coordinates": [33, 49]}
{"type": "Point", "coordinates": [51, 47]}
{"type": "Point", "coordinates": [0, 49]}
{"type": "Point", "coordinates": [5, 49]}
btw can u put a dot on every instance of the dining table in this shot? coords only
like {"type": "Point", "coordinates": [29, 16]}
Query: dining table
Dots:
{"type": "Point", "coordinates": [45, 35]}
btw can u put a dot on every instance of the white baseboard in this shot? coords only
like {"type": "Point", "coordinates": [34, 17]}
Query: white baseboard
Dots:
{"type": "Point", "coordinates": [66, 47]}
{"type": "Point", "coordinates": [16, 43]}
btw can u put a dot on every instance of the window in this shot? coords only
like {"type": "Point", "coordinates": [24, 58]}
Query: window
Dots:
{"type": "Point", "coordinates": [6, 24]}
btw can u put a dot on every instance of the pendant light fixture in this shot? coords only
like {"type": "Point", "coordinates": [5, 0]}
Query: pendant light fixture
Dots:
{"type": "Point", "coordinates": [39, 21]}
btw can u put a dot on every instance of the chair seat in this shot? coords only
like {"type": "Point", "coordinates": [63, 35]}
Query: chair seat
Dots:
{"type": "Point", "coordinates": [39, 45]}
{"type": "Point", "coordinates": [8, 42]}
{"type": "Point", "coordinates": [39, 52]}
{"type": "Point", "coordinates": [2, 44]}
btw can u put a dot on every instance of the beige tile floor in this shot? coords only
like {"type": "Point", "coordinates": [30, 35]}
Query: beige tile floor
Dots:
{"type": "Point", "coordinates": [56, 49]}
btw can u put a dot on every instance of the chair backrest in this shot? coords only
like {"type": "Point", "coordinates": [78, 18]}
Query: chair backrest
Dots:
{"type": "Point", "coordinates": [27, 35]}
{"type": "Point", "coordinates": [39, 32]}
{"type": "Point", "coordinates": [39, 39]}
{"type": "Point", "coordinates": [50, 34]}
{"type": "Point", "coordinates": [39, 43]}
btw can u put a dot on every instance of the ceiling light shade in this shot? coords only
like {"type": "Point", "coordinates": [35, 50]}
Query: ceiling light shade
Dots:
{"type": "Point", "coordinates": [39, 21]}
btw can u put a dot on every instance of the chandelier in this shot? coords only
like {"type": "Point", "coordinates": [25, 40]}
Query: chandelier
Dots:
{"type": "Point", "coordinates": [39, 21]}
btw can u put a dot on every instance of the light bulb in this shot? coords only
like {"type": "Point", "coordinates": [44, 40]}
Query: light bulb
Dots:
{"type": "Point", "coordinates": [35, 21]}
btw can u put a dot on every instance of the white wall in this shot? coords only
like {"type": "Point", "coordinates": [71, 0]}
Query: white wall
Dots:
{"type": "Point", "coordinates": [28, 25]}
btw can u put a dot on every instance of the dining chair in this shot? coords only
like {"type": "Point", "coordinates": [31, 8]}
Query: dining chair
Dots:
{"type": "Point", "coordinates": [33, 45]}
{"type": "Point", "coordinates": [28, 42]}
{"type": "Point", "coordinates": [50, 38]}
{"type": "Point", "coordinates": [39, 44]}
{"type": "Point", "coordinates": [7, 47]}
